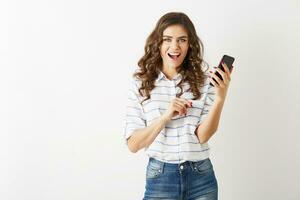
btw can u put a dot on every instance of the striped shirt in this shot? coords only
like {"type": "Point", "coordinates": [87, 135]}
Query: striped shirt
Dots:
{"type": "Point", "coordinates": [177, 141]}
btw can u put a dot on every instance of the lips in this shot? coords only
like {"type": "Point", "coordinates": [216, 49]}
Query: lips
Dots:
{"type": "Point", "coordinates": [174, 56]}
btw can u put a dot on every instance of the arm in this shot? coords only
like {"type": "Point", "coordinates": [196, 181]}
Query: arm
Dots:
{"type": "Point", "coordinates": [210, 125]}
{"type": "Point", "coordinates": [143, 137]}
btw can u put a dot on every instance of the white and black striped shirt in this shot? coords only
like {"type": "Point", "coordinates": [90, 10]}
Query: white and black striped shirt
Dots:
{"type": "Point", "coordinates": [177, 141]}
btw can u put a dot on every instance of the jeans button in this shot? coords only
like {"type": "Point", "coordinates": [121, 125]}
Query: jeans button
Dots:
{"type": "Point", "coordinates": [181, 167]}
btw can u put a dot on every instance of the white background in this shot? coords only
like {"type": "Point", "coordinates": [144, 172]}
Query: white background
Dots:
{"type": "Point", "coordinates": [65, 68]}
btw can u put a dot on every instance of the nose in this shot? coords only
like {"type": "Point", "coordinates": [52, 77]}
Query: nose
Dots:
{"type": "Point", "coordinates": [174, 45]}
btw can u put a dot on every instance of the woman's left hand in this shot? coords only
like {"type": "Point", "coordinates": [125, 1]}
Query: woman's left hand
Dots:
{"type": "Point", "coordinates": [221, 87]}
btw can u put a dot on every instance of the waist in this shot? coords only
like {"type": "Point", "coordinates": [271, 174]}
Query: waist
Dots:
{"type": "Point", "coordinates": [176, 166]}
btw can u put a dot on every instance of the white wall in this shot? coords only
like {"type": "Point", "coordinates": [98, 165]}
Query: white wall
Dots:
{"type": "Point", "coordinates": [65, 68]}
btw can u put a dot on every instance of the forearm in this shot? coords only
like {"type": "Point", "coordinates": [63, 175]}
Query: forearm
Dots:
{"type": "Point", "coordinates": [144, 137]}
{"type": "Point", "coordinates": [210, 125]}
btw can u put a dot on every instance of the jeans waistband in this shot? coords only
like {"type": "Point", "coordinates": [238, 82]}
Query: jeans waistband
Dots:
{"type": "Point", "coordinates": [185, 164]}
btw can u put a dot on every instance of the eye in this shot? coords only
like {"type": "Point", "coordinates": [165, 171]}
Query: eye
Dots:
{"type": "Point", "coordinates": [182, 40]}
{"type": "Point", "coordinates": [167, 39]}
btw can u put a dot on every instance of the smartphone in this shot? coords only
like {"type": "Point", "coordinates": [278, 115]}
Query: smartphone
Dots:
{"type": "Point", "coordinates": [228, 60]}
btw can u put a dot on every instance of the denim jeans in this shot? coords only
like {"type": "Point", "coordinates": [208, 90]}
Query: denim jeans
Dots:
{"type": "Point", "coordinates": [185, 181]}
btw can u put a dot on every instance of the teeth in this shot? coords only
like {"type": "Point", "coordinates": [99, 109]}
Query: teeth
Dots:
{"type": "Point", "coordinates": [174, 54]}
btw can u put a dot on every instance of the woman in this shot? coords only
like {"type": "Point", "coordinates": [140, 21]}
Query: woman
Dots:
{"type": "Point", "coordinates": [173, 111]}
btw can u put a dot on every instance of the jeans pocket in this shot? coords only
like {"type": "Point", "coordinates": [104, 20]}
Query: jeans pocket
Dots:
{"type": "Point", "coordinates": [203, 166]}
{"type": "Point", "coordinates": [154, 170]}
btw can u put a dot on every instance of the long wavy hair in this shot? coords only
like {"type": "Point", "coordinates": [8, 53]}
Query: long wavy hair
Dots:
{"type": "Point", "coordinates": [150, 64]}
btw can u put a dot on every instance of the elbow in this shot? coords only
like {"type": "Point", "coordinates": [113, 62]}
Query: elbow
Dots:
{"type": "Point", "coordinates": [203, 138]}
{"type": "Point", "coordinates": [132, 148]}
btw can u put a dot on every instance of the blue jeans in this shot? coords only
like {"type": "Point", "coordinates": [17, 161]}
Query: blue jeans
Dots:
{"type": "Point", "coordinates": [185, 181]}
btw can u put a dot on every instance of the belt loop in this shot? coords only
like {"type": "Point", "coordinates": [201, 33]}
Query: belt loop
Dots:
{"type": "Point", "coordinates": [162, 165]}
{"type": "Point", "coordinates": [192, 164]}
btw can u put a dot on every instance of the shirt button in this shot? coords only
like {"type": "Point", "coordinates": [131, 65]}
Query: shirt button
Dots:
{"type": "Point", "coordinates": [181, 167]}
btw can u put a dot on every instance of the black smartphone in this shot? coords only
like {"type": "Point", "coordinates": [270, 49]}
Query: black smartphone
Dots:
{"type": "Point", "coordinates": [228, 60]}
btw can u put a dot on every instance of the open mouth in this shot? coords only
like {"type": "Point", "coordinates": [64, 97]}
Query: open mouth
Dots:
{"type": "Point", "coordinates": [173, 56]}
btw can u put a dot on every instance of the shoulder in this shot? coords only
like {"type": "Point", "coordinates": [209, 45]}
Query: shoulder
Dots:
{"type": "Point", "coordinates": [135, 83]}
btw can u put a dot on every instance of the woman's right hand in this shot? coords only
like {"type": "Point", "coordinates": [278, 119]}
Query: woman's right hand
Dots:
{"type": "Point", "coordinates": [177, 106]}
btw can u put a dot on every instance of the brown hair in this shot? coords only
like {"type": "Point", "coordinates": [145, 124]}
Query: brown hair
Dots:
{"type": "Point", "coordinates": [151, 63]}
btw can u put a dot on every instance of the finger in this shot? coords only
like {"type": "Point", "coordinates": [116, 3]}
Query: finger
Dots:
{"type": "Point", "coordinates": [181, 103]}
{"type": "Point", "coordinates": [185, 102]}
{"type": "Point", "coordinates": [225, 67]}
{"type": "Point", "coordinates": [224, 76]}
{"type": "Point", "coordinates": [231, 69]}
{"type": "Point", "coordinates": [214, 82]}
{"type": "Point", "coordinates": [180, 108]}
{"type": "Point", "coordinates": [227, 71]}
{"type": "Point", "coordinates": [218, 80]}
{"type": "Point", "coordinates": [177, 109]}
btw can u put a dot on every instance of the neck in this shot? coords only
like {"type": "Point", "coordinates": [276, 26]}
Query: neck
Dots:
{"type": "Point", "coordinates": [170, 72]}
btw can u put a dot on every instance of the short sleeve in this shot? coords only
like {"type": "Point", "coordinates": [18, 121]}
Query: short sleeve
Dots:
{"type": "Point", "coordinates": [135, 117]}
{"type": "Point", "coordinates": [209, 92]}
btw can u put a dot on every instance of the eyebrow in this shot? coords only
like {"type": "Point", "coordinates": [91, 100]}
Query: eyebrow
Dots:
{"type": "Point", "coordinates": [172, 37]}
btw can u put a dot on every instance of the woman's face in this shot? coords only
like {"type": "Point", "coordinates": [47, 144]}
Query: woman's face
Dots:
{"type": "Point", "coordinates": [174, 47]}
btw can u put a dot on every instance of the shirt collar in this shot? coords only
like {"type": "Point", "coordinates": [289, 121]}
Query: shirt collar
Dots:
{"type": "Point", "coordinates": [161, 75]}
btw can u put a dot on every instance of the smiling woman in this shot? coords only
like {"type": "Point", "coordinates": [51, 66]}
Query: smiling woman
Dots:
{"type": "Point", "coordinates": [168, 113]}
